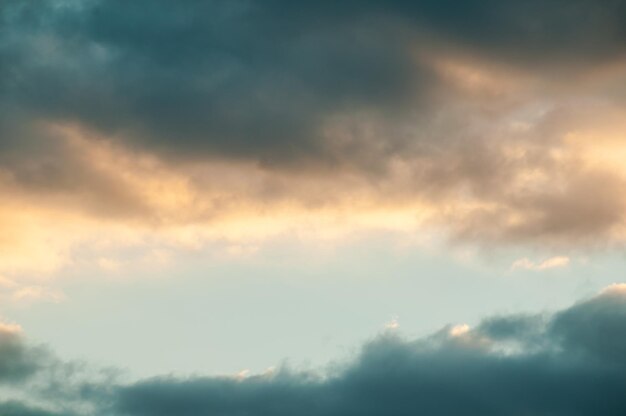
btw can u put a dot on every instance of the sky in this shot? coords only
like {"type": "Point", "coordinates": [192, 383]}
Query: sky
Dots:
{"type": "Point", "coordinates": [322, 208]}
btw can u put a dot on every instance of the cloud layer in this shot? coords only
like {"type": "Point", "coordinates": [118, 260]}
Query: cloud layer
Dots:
{"type": "Point", "coordinates": [490, 121]}
{"type": "Point", "coordinates": [566, 363]}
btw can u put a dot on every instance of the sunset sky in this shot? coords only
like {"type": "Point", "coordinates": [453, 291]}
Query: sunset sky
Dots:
{"type": "Point", "coordinates": [315, 208]}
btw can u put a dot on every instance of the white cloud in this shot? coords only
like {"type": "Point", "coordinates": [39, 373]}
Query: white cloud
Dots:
{"type": "Point", "coordinates": [394, 323]}
{"type": "Point", "coordinates": [459, 330]}
{"type": "Point", "coordinates": [550, 263]}
{"type": "Point", "coordinates": [10, 328]}
{"type": "Point", "coordinates": [615, 288]}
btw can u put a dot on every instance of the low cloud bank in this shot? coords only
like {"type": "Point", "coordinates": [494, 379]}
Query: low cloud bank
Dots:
{"type": "Point", "coordinates": [572, 362]}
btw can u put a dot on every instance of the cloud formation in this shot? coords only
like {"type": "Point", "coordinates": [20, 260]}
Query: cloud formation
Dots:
{"type": "Point", "coordinates": [491, 121]}
{"type": "Point", "coordinates": [566, 363]}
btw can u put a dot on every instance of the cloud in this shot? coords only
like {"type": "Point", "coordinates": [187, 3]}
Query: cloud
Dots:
{"type": "Point", "coordinates": [16, 408]}
{"type": "Point", "coordinates": [493, 122]}
{"type": "Point", "coordinates": [551, 263]}
{"type": "Point", "coordinates": [17, 362]}
{"type": "Point", "coordinates": [467, 371]}
{"type": "Point", "coordinates": [243, 81]}
{"type": "Point", "coordinates": [393, 324]}
{"type": "Point", "coordinates": [557, 367]}
{"type": "Point", "coordinates": [564, 363]}
{"type": "Point", "coordinates": [228, 81]}
{"type": "Point", "coordinates": [35, 382]}
{"type": "Point", "coordinates": [459, 330]}
{"type": "Point", "coordinates": [603, 318]}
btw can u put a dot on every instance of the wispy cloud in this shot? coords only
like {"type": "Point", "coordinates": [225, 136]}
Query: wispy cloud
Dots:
{"type": "Point", "coordinates": [394, 323]}
{"type": "Point", "coordinates": [550, 263]}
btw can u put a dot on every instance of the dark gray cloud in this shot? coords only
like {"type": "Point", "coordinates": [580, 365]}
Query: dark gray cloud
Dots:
{"type": "Point", "coordinates": [35, 382]}
{"type": "Point", "coordinates": [568, 363]}
{"type": "Point", "coordinates": [17, 361]}
{"type": "Point", "coordinates": [595, 328]}
{"type": "Point", "coordinates": [559, 368]}
{"type": "Point", "coordinates": [16, 408]}
{"type": "Point", "coordinates": [232, 78]}
{"type": "Point", "coordinates": [260, 79]}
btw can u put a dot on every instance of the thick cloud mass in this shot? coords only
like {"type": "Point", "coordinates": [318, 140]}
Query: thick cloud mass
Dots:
{"type": "Point", "coordinates": [235, 78]}
{"type": "Point", "coordinates": [491, 121]}
{"type": "Point", "coordinates": [568, 363]}
{"type": "Point", "coordinates": [261, 79]}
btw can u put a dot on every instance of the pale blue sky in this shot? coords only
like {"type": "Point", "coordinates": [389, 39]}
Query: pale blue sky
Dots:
{"type": "Point", "coordinates": [291, 301]}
